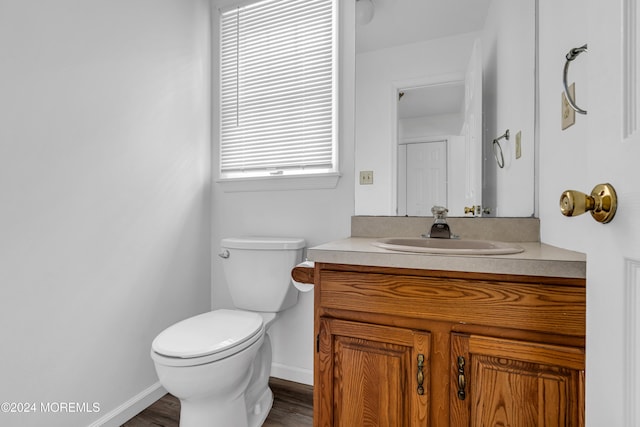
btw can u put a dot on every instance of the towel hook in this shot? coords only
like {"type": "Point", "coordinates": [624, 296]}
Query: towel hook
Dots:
{"type": "Point", "coordinates": [573, 54]}
{"type": "Point", "coordinates": [497, 149]}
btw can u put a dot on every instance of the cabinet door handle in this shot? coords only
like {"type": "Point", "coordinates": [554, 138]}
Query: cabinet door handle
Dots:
{"type": "Point", "coordinates": [420, 374]}
{"type": "Point", "coordinates": [462, 382]}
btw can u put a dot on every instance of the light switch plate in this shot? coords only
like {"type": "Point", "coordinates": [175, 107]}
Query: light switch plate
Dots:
{"type": "Point", "coordinates": [568, 113]}
{"type": "Point", "coordinates": [366, 177]}
{"type": "Point", "coordinates": [518, 144]}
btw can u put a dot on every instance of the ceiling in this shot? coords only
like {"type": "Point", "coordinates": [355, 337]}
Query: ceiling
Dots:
{"type": "Point", "coordinates": [397, 22]}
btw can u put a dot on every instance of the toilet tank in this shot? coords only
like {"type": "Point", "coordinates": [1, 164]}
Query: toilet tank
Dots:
{"type": "Point", "coordinates": [258, 271]}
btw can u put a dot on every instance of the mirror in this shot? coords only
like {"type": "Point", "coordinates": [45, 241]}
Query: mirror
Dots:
{"type": "Point", "coordinates": [443, 154]}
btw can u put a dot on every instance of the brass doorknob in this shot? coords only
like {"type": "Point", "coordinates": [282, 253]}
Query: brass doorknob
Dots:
{"type": "Point", "coordinates": [602, 203]}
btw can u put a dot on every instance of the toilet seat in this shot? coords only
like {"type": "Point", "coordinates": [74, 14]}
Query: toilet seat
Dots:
{"type": "Point", "coordinates": [207, 337]}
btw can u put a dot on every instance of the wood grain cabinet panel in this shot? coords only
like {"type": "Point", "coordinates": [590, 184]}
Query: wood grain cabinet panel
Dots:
{"type": "Point", "coordinates": [511, 383]}
{"type": "Point", "coordinates": [373, 375]}
{"type": "Point", "coordinates": [406, 347]}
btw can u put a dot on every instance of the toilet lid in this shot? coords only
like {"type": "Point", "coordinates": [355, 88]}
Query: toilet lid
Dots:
{"type": "Point", "coordinates": [207, 333]}
{"type": "Point", "coordinates": [263, 243]}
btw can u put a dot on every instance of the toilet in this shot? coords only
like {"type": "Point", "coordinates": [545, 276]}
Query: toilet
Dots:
{"type": "Point", "coordinates": [218, 363]}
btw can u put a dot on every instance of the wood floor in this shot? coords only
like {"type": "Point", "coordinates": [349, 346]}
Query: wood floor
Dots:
{"type": "Point", "coordinates": [292, 407]}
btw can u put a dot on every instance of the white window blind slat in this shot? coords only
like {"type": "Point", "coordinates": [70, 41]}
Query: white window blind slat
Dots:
{"type": "Point", "coordinates": [278, 87]}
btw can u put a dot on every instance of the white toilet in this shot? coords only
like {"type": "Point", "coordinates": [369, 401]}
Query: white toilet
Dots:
{"type": "Point", "coordinates": [218, 363]}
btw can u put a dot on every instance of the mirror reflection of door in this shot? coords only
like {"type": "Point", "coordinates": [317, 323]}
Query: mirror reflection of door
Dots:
{"type": "Point", "coordinates": [426, 176]}
{"type": "Point", "coordinates": [430, 121]}
{"type": "Point", "coordinates": [473, 132]}
{"type": "Point", "coordinates": [439, 140]}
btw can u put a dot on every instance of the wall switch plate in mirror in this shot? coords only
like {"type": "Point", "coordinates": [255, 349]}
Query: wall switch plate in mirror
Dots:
{"type": "Point", "coordinates": [568, 113]}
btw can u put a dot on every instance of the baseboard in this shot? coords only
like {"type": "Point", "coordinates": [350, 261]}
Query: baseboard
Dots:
{"type": "Point", "coordinates": [131, 407]}
{"type": "Point", "coordinates": [291, 373]}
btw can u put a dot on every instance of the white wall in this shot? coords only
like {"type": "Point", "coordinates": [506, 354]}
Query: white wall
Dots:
{"type": "Point", "coordinates": [561, 159]}
{"type": "Point", "coordinates": [319, 216]}
{"type": "Point", "coordinates": [430, 126]}
{"type": "Point", "coordinates": [104, 189]}
{"type": "Point", "coordinates": [376, 74]}
{"type": "Point", "coordinates": [509, 103]}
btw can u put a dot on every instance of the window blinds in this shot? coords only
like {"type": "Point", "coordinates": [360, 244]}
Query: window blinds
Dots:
{"type": "Point", "coordinates": [278, 88]}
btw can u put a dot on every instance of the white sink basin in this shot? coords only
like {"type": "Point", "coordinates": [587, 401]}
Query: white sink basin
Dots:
{"type": "Point", "coordinates": [448, 246]}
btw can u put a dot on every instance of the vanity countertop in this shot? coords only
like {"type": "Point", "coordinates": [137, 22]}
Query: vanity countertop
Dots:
{"type": "Point", "coordinates": [538, 259]}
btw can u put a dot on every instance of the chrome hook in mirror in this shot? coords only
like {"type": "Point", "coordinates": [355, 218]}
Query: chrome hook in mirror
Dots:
{"type": "Point", "coordinates": [497, 149]}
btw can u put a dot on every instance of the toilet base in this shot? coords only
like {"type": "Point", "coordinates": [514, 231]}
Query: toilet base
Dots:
{"type": "Point", "coordinates": [258, 396]}
{"type": "Point", "coordinates": [197, 414]}
{"type": "Point", "coordinates": [258, 414]}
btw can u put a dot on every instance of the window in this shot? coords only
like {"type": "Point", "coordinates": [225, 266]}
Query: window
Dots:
{"type": "Point", "coordinates": [278, 89]}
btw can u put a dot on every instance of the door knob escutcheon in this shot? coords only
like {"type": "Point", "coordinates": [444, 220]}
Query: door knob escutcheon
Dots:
{"type": "Point", "coordinates": [602, 203]}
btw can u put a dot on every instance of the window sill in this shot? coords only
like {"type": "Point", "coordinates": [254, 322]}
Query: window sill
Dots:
{"type": "Point", "coordinates": [280, 183]}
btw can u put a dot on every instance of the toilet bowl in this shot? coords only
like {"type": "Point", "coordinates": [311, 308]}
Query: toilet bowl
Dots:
{"type": "Point", "coordinates": [218, 363]}
{"type": "Point", "coordinates": [208, 367]}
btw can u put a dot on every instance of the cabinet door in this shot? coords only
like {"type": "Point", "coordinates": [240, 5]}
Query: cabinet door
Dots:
{"type": "Point", "coordinates": [498, 382]}
{"type": "Point", "coordinates": [371, 375]}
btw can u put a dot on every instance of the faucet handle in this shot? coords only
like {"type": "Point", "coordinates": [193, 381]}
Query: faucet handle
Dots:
{"type": "Point", "coordinates": [470, 210]}
{"type": "Point", "coordinates": [439, 211]}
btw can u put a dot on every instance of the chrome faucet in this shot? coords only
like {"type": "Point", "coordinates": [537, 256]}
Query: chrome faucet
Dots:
{"type": "Point", "coordinates": [440, 229]}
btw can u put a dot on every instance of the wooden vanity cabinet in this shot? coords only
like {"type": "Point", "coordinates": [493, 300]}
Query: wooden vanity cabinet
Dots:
{"type": "Point", "coordinates": [409, 347]}
{"type": "Point", "coordinates": [513, 383]}
{"type": "Point", "coordinates": [371, 374]}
